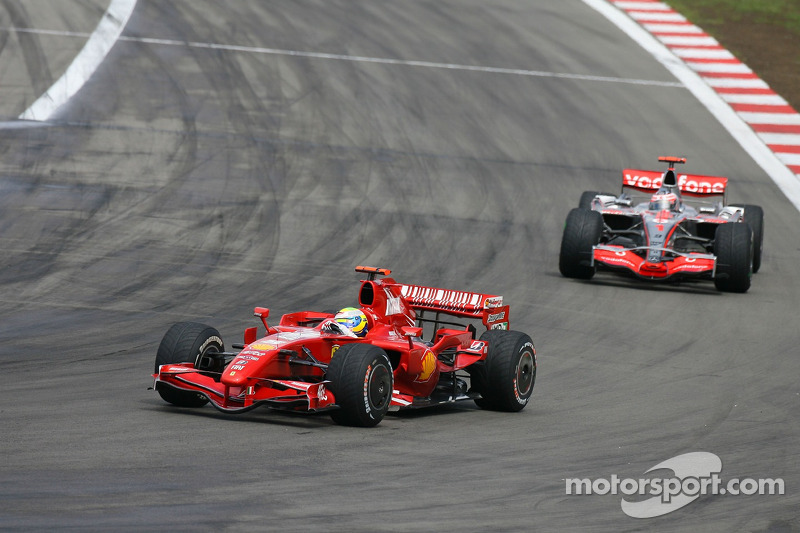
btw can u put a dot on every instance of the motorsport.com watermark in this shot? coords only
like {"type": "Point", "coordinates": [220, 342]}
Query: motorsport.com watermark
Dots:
{"type": "Point", "coordinates": [695, 474]}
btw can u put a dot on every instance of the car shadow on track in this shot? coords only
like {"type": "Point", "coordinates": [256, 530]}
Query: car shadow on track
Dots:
{"type": "Point", "coordinates": [609, 279]}
{"type": "Point", "coordinates": [303, 420]}
{"type": "Point", "coordinates": [260, 416]}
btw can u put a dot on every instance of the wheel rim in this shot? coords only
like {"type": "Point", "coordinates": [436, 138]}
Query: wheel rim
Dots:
{"type": "Point", "coordinates": [379, 387]}
{"type": "Point", "coordinates": [526, 371]}
{"type": "Point", "coordinates": [205, 360]}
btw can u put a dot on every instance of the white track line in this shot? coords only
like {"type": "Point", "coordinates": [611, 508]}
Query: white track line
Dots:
{"type": "Point", "coordinates": [362, 59]}
{"type": "Point", "coordinates": [712, 92]}
{"type": "Point", "coordinates": [403, 62]}
{"type": "Point", "coordinates": [85, 63]}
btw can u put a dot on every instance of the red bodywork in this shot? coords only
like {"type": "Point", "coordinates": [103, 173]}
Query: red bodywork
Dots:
{"type": "Point", "coordinates": [619, 257]}
{"type": "Point", "coordinates": [286, 367]}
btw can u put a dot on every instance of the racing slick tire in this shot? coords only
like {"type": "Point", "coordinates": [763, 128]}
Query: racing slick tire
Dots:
{"type": "Point", "coordinates": [587, 196]}
{"type": "Point", "coordinates": [361, 381]}
{"type": "Point", "coordinates": [733, 246]}
{"type": "Point", "coordinates": [586, 199]}
{"type": "Point", "coordinates": [506, 379]}
{"type": "Point", "coordinates": [754, 216]}
{"type": "Point", "coordinates": [582, 230]}
{"type": "Point", "coordinates": [186, 342]}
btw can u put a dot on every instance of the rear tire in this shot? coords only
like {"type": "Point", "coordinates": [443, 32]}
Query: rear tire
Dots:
{"type": "Point", "coordinates": [186, 342]}
{"type": "Point", "coordinates": [587, 196]}
{"type": "Point", "coordinates": [754, 217]}
{"type": "Point", "coordinates": [361, 381]}
{"type": "Point", "coordinates": [586, 199]}
{"type": "Point", "coordinates": [733, 247]}
{"type": "Point", "coordinates": [582, 230]}
{"type": "Point", "coordinates": [506, 379]}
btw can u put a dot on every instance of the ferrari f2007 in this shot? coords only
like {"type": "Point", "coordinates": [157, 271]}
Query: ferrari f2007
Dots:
{"type": "Point", "coordinates": [360, 363]}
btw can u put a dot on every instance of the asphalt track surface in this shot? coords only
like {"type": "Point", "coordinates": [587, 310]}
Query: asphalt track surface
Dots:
{"type": "Point", "coordinates": [188, 182]}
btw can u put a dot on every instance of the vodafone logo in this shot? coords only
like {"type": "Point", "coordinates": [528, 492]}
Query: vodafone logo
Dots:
{"type": "Point", "coordinates": [617, 260]}
{"type": "Point", "coordinates": [646, 179]}
{"type": "Point", "coordinates": [704, 187]}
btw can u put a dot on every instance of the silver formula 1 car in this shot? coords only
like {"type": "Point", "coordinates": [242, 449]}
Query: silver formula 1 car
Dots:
{"type": "Point", "coordinates": [665, 226]}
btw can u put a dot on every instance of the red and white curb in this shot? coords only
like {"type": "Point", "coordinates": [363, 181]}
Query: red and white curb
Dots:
{"type": "Point", "coordinates": [769, 115]}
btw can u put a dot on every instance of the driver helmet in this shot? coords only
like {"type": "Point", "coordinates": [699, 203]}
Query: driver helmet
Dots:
{"type": "Point", "coordinates": [664, 200]}
{"type": "Point", "coordinates": [353, 319]}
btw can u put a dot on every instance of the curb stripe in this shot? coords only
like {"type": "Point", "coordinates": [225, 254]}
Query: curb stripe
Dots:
{"type": "Point", "coordinates": [763, 99]}
{"type": "Point", "coordinates": [776, 128]}
{"type": "Point", "coordinates": [669, 29]}
{"type": "Point", "coordinates": [736, 83]}
{"type": "Point", "coordinates": [670, 39]}
{"type": "Point", "coordinates": [790, 159]}
{"type": "Point", "coordinates": [726, 72]}
{"type": "Point", "coordinates": [645, 16]}
{"type": "Point", "coordinates": [703, 53]}
{"type": "Point", "coordinates": [785, 148]}
{"type": "Point", "coordinates": [756, 92]}
{"type": "Point", "coordinates": [644, 6]}
{"type": "Point", "coordinates": [775, 109]}
{"type": "Point", "coordinates": [710, 62]}
{"type": "Point", "coordinates": [780, 138]}
{"type": "Point", "coordinates": [719, 65]}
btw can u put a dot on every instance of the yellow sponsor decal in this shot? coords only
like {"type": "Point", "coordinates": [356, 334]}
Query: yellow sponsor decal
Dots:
{"type": "Point", "coordinates": [262, 346]}
{"type": "Point", "coordinates": [428, 366]}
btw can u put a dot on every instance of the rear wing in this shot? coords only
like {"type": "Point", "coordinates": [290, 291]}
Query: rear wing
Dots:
{"type": "Point", "coordinates": [487, 307]}
{"type": "Point", "coordinates": [694, 185]}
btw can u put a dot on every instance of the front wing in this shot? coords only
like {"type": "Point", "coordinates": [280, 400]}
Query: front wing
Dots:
{"type": "Point", "coordinates": [284, 394]}
{"type": "Point", "coordinates": [689, 264]}
{"type": "Point", "coordinates": [281, 394]}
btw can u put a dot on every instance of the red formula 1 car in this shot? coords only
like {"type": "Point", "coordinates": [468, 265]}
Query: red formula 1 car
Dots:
{"type": "Point", "coordinates": [665, 237]}
{"type": "Point", "coordinates": [359, 363]}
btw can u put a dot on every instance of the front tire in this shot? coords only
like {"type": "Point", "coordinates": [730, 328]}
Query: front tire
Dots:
{"type": "Point", "coordinates": [186, 342]}
{"type": "Point", "coordinates": [754, 217]}
{"type": "Point", "coordinates": [506, 379]}
{"type": "Point", "coordinates": [361, 380]}
{"type": "Point", "coordinates": [733, 247]}
{"type": "Point", "coordinates": [582, 230]}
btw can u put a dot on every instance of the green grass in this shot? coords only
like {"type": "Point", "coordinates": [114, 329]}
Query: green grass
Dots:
{"type": "Point", "coordinates": [784, 13]}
